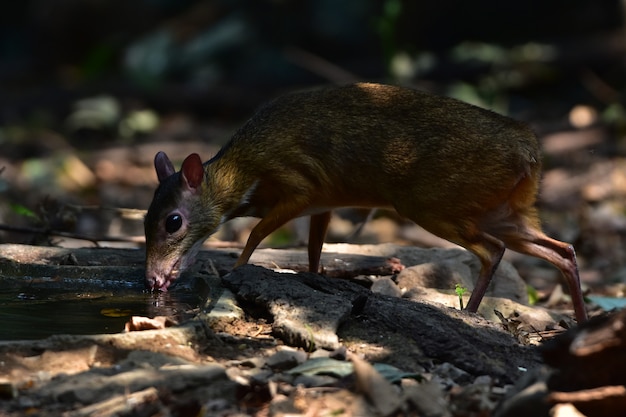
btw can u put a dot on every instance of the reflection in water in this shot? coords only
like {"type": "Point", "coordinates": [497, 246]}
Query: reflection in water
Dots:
{"type": "Point", "coordinates": [172, 305]}
{"type": "Point", "coordinates": [39, 312]}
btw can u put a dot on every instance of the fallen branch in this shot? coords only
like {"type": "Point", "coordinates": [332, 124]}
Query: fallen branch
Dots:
{"type": "Point", "coordinates": [59, 233]}
{"type": "Point", "coordinates": [119, 404]}
{"type": "Point", "coordinates": [125, 213]}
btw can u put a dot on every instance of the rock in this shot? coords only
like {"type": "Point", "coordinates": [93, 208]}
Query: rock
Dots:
{"type": "Point", "coordinates": [450, 374]}
{"type": "Point", "coordinates": [306, 306]}
{"type": "Point", "coordinates": [341, 353]}
{"type": "Point", "coordinates": [386, 286]}
{"type": "Point", "coordinates": [224, 309]}
{"type": "Point", "coordinates": [444, 268]}
{"type": "Point", "coordinates": [428, 399]}
{"type": "Point", "coordinates": [286, 358]}
{"type": "Point", "coordinates": [310, 381]}
{"type": "Point", "coordinates": [441, 275]}
{"type": "Point", "coordinates": [302, 315]}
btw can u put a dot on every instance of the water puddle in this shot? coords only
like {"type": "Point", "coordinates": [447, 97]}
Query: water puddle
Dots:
{"type": "Point", "coordinates": [36, 312]}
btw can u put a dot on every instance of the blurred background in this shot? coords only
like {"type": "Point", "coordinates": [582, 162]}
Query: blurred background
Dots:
{"type": "Point", "coordinates": [90, 90]}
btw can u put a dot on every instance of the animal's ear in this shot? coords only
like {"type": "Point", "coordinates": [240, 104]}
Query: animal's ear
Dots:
{"type": "Point", "coordinates": [192, 171]}
{"type": "Point", "coordinates": [163, 165]}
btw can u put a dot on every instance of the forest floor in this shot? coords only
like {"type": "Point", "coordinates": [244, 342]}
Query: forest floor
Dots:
{"type": "Point", "coordinates": [357, 340]}
{"type": "Point", "coordinates": [354, 342]}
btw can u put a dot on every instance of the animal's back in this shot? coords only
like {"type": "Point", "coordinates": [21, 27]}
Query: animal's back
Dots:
{"type": "Point", "coordinates": [379, 145]}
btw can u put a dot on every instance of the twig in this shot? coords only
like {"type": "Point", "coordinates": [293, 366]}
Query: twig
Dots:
{"type": "Point", "coordinates": [92, 239]}
{"type": "Point", "coordinates": [119, 404]}
{"type": "Point", "coordinates": [125, 213]}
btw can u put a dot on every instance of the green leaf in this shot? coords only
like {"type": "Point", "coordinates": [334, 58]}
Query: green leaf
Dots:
{"type": "Point", "coordinates": [23, 211]}
{"type": "Point", "coordinates": [460, 290]}
{"type": "Point", "coordinates": [533, 297]}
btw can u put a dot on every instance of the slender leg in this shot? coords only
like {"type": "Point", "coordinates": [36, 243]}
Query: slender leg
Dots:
{"type": "Point", "coordinates": [317, 233]}
{"type": "Point", "coordinates": [467, 233]}
{"type": "Point", "coordinates": [560, 254]}
{"type": "Point", "coordinates": [276, 217]}
{"type": "Point", "coordinates": [489, 250]}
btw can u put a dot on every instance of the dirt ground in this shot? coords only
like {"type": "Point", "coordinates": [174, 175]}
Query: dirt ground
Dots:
{"type": "Point", "coordinates": [286, 343]}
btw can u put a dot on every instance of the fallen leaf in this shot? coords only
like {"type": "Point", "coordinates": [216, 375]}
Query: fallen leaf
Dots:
{"type": "Point", "coordinates": [380, 392]}
{"type": "Point", "coordinates": [137, 323]}
{"type": "Point", "coordinates": [116, 312]}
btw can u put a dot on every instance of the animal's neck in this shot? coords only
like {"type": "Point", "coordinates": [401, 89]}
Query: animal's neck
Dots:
{"type": "Point", "coordinates": [228, 183]}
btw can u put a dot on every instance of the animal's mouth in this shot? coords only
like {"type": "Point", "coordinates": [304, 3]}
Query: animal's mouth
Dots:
{"type": "Point", "coordinates": [160, 278]}
{"type": "Point", "coordinates": [161, 282]}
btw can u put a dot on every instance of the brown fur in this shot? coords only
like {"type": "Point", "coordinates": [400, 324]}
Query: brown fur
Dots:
{"type": "Point", "coordinates": [464, 173]}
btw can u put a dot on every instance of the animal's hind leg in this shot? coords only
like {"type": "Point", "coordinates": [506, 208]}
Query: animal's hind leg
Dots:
{"type": "Point", "coordinates": [530, 240]}
{"type": "Point", "coordinates": [488, 248]}
{"type": "Point", "coordinates": [489, 251]}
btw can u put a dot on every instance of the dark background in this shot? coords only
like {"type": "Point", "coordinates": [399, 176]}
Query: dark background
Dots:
{"type": "Point", "coordinates": [203, 55]}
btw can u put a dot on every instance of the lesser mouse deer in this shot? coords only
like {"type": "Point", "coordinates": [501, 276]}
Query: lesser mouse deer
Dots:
{"type": "Point", "coordinates": [464, 173]}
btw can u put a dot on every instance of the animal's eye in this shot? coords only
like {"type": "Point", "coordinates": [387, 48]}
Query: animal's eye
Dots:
{"type": "Point", "coordinates": [173, 223]}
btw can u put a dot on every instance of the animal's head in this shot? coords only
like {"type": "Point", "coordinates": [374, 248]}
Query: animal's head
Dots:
{"type": "Point", "coordinates": [178, 221]}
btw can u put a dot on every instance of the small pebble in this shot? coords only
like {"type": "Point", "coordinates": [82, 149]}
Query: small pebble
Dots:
{"type": "Point", "coordinates": [386, 286]}
{"type": "Point", "coordinates": [286, 359]}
